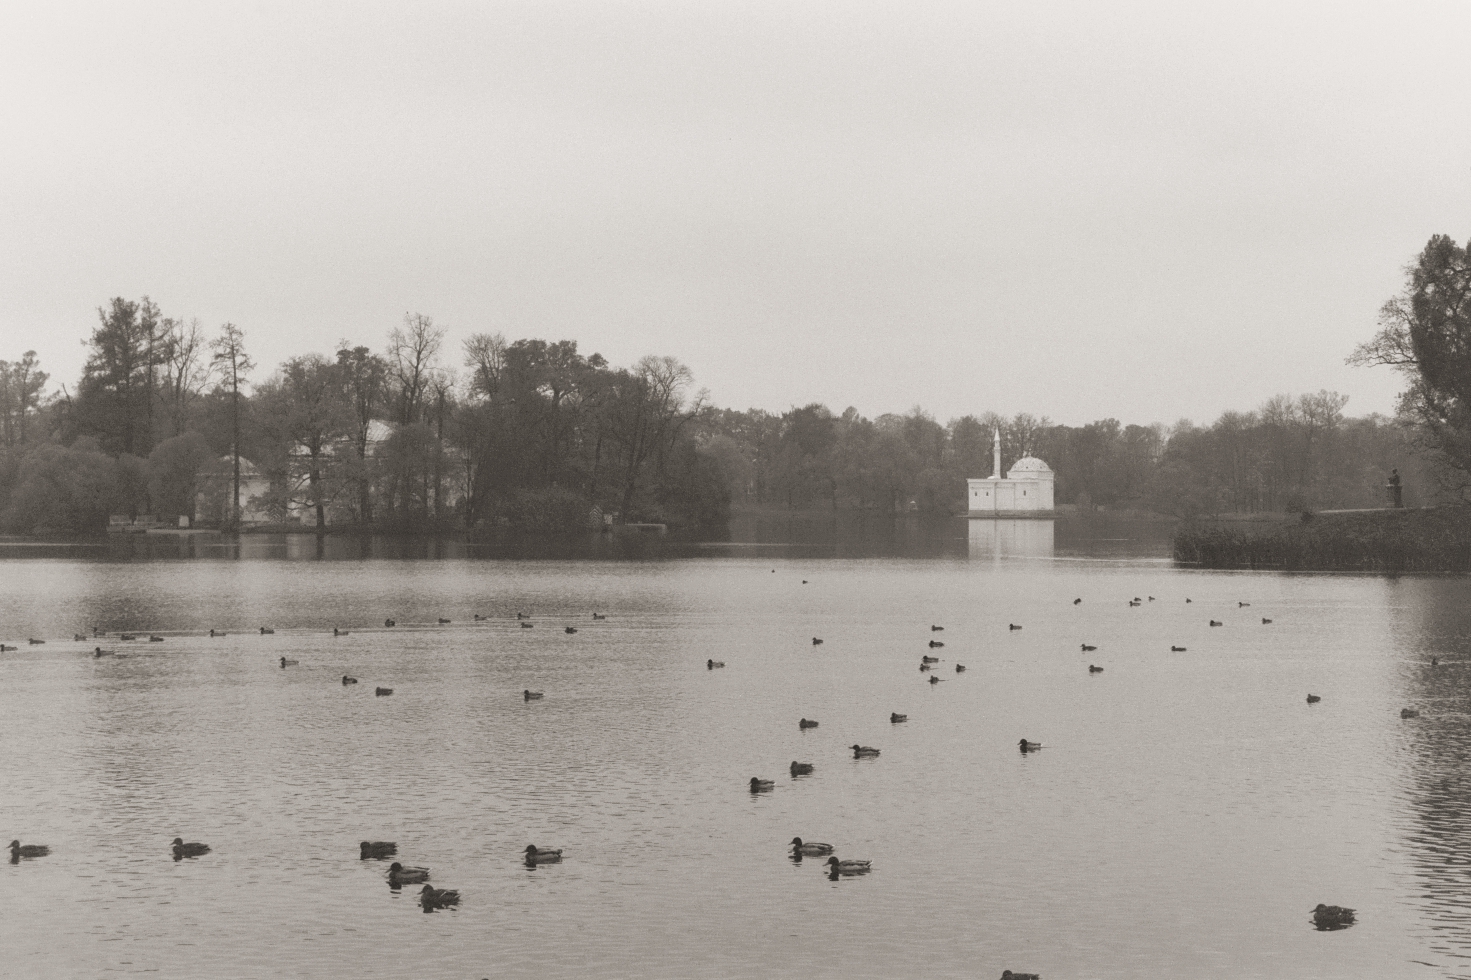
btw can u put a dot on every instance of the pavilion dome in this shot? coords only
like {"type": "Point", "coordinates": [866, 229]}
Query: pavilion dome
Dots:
{"type": "Point", "coordinates": [1029, 468]}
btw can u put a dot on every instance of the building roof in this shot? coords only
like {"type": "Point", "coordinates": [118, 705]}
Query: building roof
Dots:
{"type": "Point", "coordinates": [1029, 468]}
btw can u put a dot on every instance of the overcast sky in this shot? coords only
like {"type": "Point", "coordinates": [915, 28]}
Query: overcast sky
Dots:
{"type": "Point", "coordinates": [1143, 210]}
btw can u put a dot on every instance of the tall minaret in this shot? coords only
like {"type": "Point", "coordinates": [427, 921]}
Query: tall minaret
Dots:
{"type": "Point", "coordinates": [996, 455]}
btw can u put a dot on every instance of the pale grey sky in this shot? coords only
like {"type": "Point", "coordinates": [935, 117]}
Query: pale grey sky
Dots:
{"type": "Point", "coordinates": [1143, 210]}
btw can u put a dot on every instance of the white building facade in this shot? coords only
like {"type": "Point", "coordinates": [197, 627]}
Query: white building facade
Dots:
{"type": "Point", "coordinates": [1025, 491]}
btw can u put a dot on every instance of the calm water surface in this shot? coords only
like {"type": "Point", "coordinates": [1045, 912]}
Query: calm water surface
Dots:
{"type": "Point", "coordinates": [1188, 811]}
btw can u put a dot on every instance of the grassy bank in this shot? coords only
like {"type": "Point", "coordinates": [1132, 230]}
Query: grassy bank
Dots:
{"type": "Point", "coordinates": [1431, 540]}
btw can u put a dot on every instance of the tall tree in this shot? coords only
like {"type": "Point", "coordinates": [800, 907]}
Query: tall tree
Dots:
{"type": "Point", "coordinates": [235, 366]}
{"type": "Point", "coordinates": [364, 378]}
{"type": "Point", "coordinates": [412, 350]}
{"type": "Point", "coordinates": [304, 412]}
{"type": "Point", "coordinates": [115, 398]}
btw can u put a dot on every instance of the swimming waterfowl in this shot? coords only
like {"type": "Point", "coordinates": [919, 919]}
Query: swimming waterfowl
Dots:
{"type": "Point", "coordinates": [437, 898]}
{"type": "Point", "coordinates": [1265, 621]}
{"type": "Point", "coordinates": [526, 626]}
{"type": "Point", "coordinates": [810, 848]}
{"type": "Point", "coordinates": [802, 768]}
{"type": "Point", "coordinates": [1189, 600]}
{"type": "Point", "coordinates": [1435, 661]}
{"type": "Point", "coordinates": [1177, 649]}
{"type": "Point", "coordinates": [804, 723]}
{"type": "Point", "coordinates": [1241, 605]}
{"type": "Point", "coordinates": [1137, 599]}
{"type": "Point", "coordinates": [598, 616]}
{"type": "Point", "coordinates": [390, 622]}
{"type": "Point", "coordinates": [477, 617]}
{"type": "Point", "coordinates": [761, 785]}
{"type": "Point", "coordinates": [923, 666]}
{"type": "Point", "coordinates": [349, 680]}
{"type": "Point", "coordinates": [1008, 975]}
{"type": "Point", "coordinates": [849, 867]}
{"type": "Point", "coordinates": [338, 632]}
{"type": "Point", "coordinates": [288, 663]}
{"type": "Point", "coordinates": [1026, 746]}
{"type": "Point", "coordinates": [960, 668]}
{"type": "Point", "coordinates": [98, 652]}
{"type": "Point", "coordinates": [1215, 622]}
{"type": "Point", "coordinates": [1013, 626]}
{"type": "Point", "coordinates": [127, 636]}
{"type": "Point", "coordinates": [1151, 598]}
{"type": "Point", "coordinates": [377, 849]}
{"type": "Point", "coordinates": [264, 631]}
{"type": "Point", "coordinates": [934, 679]}
{"type": "Point", "coordinates": [79, 637]}
{"type": "Point", "coordinates": [155, 638]}
{"type": "Point", "coordinates": [1135, 602]}
{"type": "Point", "coordinates": [400, 875]}
{"type": "Point", "coordinates": [1329, 917]}
{"type": "Point", "coordinates": [6, 649]}
{"type": "Point", "coordinates": [936, 629]}
{"type": "Point", "coordinates": [443, 621]}
{"type": "Point", "coordinates": [1094, 670]}
{"type": "Point", "coordinates": [189, 850]}
{"type": "Point", "coordinates": [1313, 699]}
{"type": "Point", "coordinates": [1088, 648]}
{"type": "Point", "coordinates": [542, 855]}
{"type": "Point", "coordinates": [1408, 713]}
{"type": "Point", "coordinates": [927, 659]}
{"type": "Point", "coordinates": [217, 633]}
{"type": "Point", "coordinates": [1077, 601]}
{"type": "Point", "coordinates": [532, 695]}
{"type": "Point", "coordinates": [569, 629]}
{"type": "Point", "coordinates": [522, 615]}
{"type": "Point", "coordinates": [935, 643]}
{"type": "Point", "coordinates": [895, 717]}
{"type": "Point", "coordinates": [19, 850]}
{"type": "Point", "coordinates": [816, 641]}
{"type": "Point", "coordinates": [712, 664]}
{"type": "Point", "coordinates": [864, 751]}
{"type": "Point", "coordinates": [34, 642]}
{"type": "Point", "coordinates": [382, 692]}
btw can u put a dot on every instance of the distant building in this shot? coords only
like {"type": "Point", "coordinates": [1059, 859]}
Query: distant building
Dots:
{"type": "Point", "coordinates": [1025, 491]}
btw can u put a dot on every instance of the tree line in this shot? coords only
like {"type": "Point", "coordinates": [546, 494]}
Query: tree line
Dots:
{"type": "Point", "coordinates": [532, 433]}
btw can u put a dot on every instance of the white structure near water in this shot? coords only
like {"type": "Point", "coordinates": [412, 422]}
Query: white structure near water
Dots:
{"type": "Point", "coordinates": [1025, 491]}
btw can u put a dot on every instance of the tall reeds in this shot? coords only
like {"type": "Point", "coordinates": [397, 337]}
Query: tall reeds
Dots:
{"type": "Point", "coordinates": [1434, 540]}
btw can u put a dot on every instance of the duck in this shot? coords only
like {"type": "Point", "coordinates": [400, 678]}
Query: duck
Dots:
{"type": "Point", "coordinates": [712, 664]}
{"type": "Point", "coordinates": [127, 636]}
{"type": "Point", "coordinates": [382, 692]}
{"type": "Point", "coordinates": [569, 629]}
{"type": "Point", "coordinates": [99, 652]}
{"type": "Point", "coordinates": [816, 641]}
{"type": "Point", "coordinates": [810, 848]}
{"type": "Point", "coordinates": [189, 850]}
{"type": "Point", "coordinates": [1216, 622]}
{"type": "Point", "coordinates": [1328, 917]}
{"type": "Point", "coordinates": [155, 638]}
{"type": "Point", "coordinates": [532, 695]}
{"type": "Point", "coordinates": [1088, 647]}
{"type": "Point", "coordinates": [400, 875]}
{"type": "Point", "coordinates": [1026, 746]}
{"type": "Point", "coordinates": [1151, 598]}
{"type": "Point", "coordinates": [476, 617]}
{"type": "Point", "coordinates": [935, 643]}
{"type": "Point", "coordinates": [377, 849]}
{"type": "Point", "coordinates": [849, 867]}
{"type": "Point", "coordinates": [437, 898]}
{"type": "Point", "coordinates": [934, 679]}
{"type": "Point", "coordinates": [1177, 649]}
{"type": "Point", "coordinates": [35, 642]}
{"type": "Point", "coordinates": [1189, 600]}
{"type": "Point", "coordinates": [1266, 621]}
{"type": "Point", "coordinates": [19, 850]}
{"type": "Point", "coordinates": [1008, 975]}
{"type": "Point", "coordinates": [288, 663]}
{"type": "Point", "coordinates": [1313, 699]}
{"type": "Point", "coordinates": [542, 855]}
{"type": "Point", "coordinates": [864, 751]}
{"type": "Point", "coordinates": [895, 717]}
{"type": "Point", "coordinates": [1435, 661]}
{"type": "Point", "coordinates": [1012, 626]}
{"type": "Point", "coordinates": [218, 633]}
{"type": "Point", "coordinates": [338, 632]}
{"type": "Point", "coordinates": [443, 621]}
{"type": "Point", "coordinates": [1078, 601]}
{"type": "Point", "coordinates": [1134, 602]}
{"type": "Point", "coordinates": [1408, 713]}
{"type": "Point", "coordinates": [1137, 599]}
{"type": "Point", "coordinates": [526, 626]}
{"type": "Point", "coordinates": [389, 623]}
{"type": "Point", "coordinates": [802, 768]}
{"type": "Point", "coordinates": [264, 630]}
{"type": "Point", "coordinates": [599, 616]}
{"type": "Point", "coordinates": [937, 629]}
{"type": "Point", "coordinates": [522, 615]}
{"type": "Point", "coordinates": [805, 723]}
{"type": "Point", "coordinates": [79, 637]}
{"type": "Point", "coordinates": [6, 649]}
{"type": "Point", "coordinates": [923, 667]}
{"type": "Point", "coordinates": [926, 659]}
{"type": "Point", "coordinates": [759, 785]}
{"type": "Point", "coordinates": [1094, 670]}
{"type": "Point", "coordinates": [348, 680]}
{"type": "Point", "coordinates": [1242, 605]}
{"type": "Point", "coordinates": [960, 668]}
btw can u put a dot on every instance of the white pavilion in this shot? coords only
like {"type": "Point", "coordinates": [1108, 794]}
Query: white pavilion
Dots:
{"type": "Point", "coordinates": [1025, 491]}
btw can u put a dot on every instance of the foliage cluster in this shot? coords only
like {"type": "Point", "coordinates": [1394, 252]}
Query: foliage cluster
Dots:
{"type": "Point", "coordinates": [1437, 540]}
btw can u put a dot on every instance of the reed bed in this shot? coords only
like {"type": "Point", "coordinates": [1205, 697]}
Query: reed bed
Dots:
{"type": "Point", "coordinates": [1426, 540]}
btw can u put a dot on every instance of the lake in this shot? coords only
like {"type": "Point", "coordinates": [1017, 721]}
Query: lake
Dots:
{"type": "Point", "coordinates": [1187, 813]}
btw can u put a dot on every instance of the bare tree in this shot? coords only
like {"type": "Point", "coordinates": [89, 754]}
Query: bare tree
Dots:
{"type": "Point", "coordinates": [187, 372]}
{"type": "Point", "coordinates": [485, 356]}
{"type": "Point", "coordinates": [411, 353]}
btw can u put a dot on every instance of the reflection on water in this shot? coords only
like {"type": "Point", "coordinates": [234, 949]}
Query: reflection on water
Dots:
{"type": "Point", "coordinates": [1189, 811]}
{"type": "Point", "coordinates": [1011, 538]}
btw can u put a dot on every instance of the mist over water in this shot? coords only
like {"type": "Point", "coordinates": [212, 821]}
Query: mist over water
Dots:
{"type": "Point", "coordinates": [1187, 813]}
